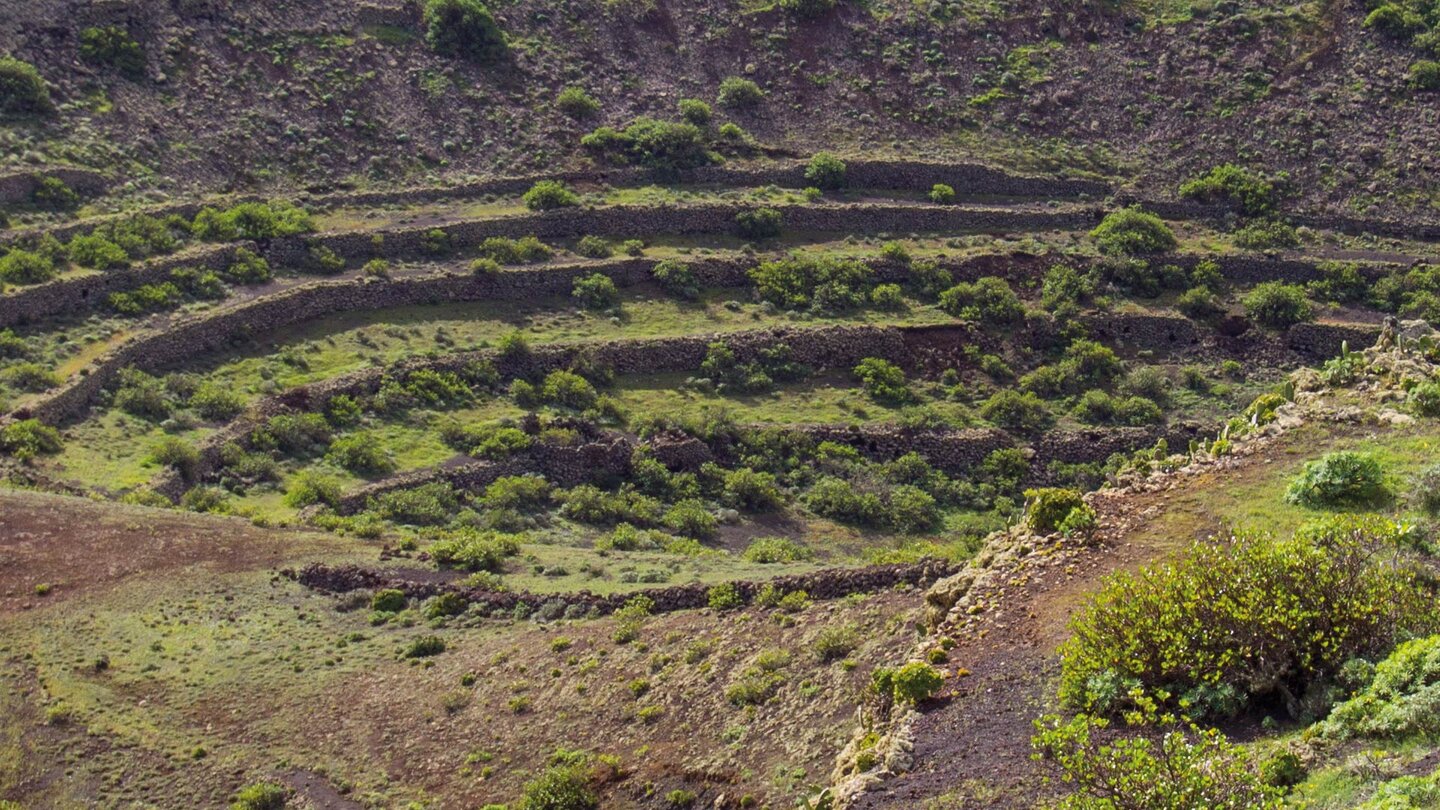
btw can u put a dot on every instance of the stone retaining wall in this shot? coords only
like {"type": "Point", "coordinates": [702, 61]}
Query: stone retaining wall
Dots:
{"type": "Point", "coordinates": [71, 296]}
{"type": "Point", "coordinates": [831, 583]}
{"type": "Point", "coordinates": [16, 188]}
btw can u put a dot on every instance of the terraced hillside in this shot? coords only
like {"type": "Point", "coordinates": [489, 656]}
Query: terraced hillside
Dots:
{"type": "Point", "coordinates": [813, 404]}
{"type": "Point", "coordinates": [647, 477]}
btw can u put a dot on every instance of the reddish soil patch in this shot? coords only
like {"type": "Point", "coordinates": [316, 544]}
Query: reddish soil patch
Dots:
{"type": "Point", "coordinates": [75, 545]}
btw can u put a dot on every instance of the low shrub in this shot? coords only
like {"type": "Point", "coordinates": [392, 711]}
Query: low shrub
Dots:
{"type": "Point", "coordinates": [309, 487]}
{"type": "Point", "coordinates": [1278, 305]}
{"type": "Point", "coordinates": [27, 438]}
{"type": "Point", "coordinates": [252, 220]}
{"type": "Point", "coordinates": [1425, 74]}
{"type": "Point", "coordinates": [96, 252]}
{"type": "Point", "coordinates": [665, 145]}
{"type": "Point", "coordinates": [825, 171]}
{"type": "Point", "coordinates": [1184, 767]}
{"type": "Point", "coordinates": [562, 786]}
{"type": "Point", "coordinates": [260, 796]}
{"type": "Point", "coordinates": [989, 300]}
{"type": "Point", "coordinates": [425, 505]}
{"type": "Point", "coordinates": [1199, 303]}
{"type": "Point", "coordinates": [1133, 232]}
{"type": "Point", "coordinates": [883, 381]}
{"type": "Point", "coordinates": [547, 195]}
{"type": "Point", "coordinates": [823, 283]}
{"type": "Point", "coordinates": [595, 291]}
{"type": "Point", "coordinates": [1267, 234]}
{"type": "Point", "coordinates": [759, 223]}
{"type": "Point", "coordinates": [1339, 480]}
{"type": "Point", "coordinates": [463, 28]}
{"type": "Point", "coordinates": [424, 647]}
{"type": "Point", "coordinates": [1303, 605]}
{"type": "Point", "coordinates": [576, 103]}
{"type": "Point", "coordinates": [1049, 509]}
{"type": "Point", "coordinates": [695, 111]}
{"type": "Point", "coordinates": [22, 91]}
{"type": "Point", "coordinates": [724, 596]}
{"type": "Point", "coordinates": [113, 46]}
{"type": "Point", "coordinates": [1246, 191]}
{"type": "Point", "coordinates": [175, 453]}
{"type": "Point", "coordinates": [738, 94]}
{"type": "Point", "coordinates": [676, 278]}
{"type": "Point", "coordinates": [916, 682]}
{"type": "Point", "coordinates": [360, 453]}
{"type": "Point", "coordinates": [1020, 412]}
{"type": "Point", "coordinates": [1399, 702]}
{"type": "Point", "coordinates": [25, 267]}
{"type": "Point", "coordinates": [767, 550]}
{"type": "Point", "coordinates": [942, 194]}
{"type": "Point", "coordinates": [594, 247]}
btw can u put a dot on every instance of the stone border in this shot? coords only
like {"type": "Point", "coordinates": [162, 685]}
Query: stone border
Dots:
{"type": "Point", "coordinates": [825, 584]}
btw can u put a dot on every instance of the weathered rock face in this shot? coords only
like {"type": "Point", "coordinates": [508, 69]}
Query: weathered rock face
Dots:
{"type": "Point", "coordinates": [826, 584]}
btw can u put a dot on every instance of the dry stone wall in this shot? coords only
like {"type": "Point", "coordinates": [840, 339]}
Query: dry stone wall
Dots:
{"type": "Point", "coordinates": [826, 584]}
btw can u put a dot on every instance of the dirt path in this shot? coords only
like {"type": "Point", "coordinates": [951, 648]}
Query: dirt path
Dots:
{"type": "Point", "coordinates": [972, 746]}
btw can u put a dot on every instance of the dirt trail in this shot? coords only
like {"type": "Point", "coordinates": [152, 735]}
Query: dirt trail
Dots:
{"type": "Point", "coordinates": [972, 746]}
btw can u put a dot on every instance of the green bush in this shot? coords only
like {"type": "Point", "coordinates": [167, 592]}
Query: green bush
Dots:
{"type": "Point", "coordinates": [113, 46]}
{"type": "Point", "coordinates": [769, 550]}
{"type": "Point", "coordinates": [737, 93]}
{"type": "Point", "coordinates": [756, 491]}
{"type": "Point", "coordinates": [526, 250]}
{"type": "Point", "coordinates": [988, 300]}
{"type": "Point", "coordinates": [692, 519]}
{"type": "Point", "coordinates": [474, 550]}
{"type": "Point", "coordinates": [361, 454]}
{"type": "Point", "coordinates": [759, 223]}
{"type": "Point", "coordinates": [724, 596]}
{"type": "Point", "coordinates": [695, 111]}
{"type": "Point", "coordinates": [294, 434]}
{"type": "Point", "coordinates": [1424, 399]}
{"type": "Point", "coordinates": [388, 600]}
{"type": "Point", "coordinates": [825, 171]}
{"type": "Point", "coordinates": [52, 194]}
{"type": "Point", "coordinates": [595, 291]}
{"type": "Point", "coordinates": [27, 438]}
{"type": "Point", "coordinates": [547, 195]}
{"type": "Point", "coordinates": [142, 395]}
{"type": "Point", "coordinates": [1132, 232]}
{"type": "Point", "coordinates": [248, 268]}
{"type": "Point", "coordinates": [1400, 701]}
{"type": "Point", "coordinates": [883, 381]}
{"type": "Point", "coordinates": [576, 103]}
{"type": "Point", "coordinates": [1278, 305]}
{"type": "Point", "coordinates": [1303, 606]}
{"type": "Point", "coordinates": [566, 389]}
{"type": "Point", "coordinates": [309, 487]}
{"type": "Point", "coordinates": [425, 505]}
{"type": "Point", "coordinates": [1244, 190]}
{"type": "Point", "coordinates": [1183, 768]}
{"type": "Point", "coordinates": [1425, 75]}
{"type": "Point", "coordinates": [1343, 479]}
{"type": "Point", "coordinates": [1267, 234]}
{"type": "Point", "coordinates": [254, 220]}
{"type": "Point", "coordinates": [1100, 408]}
{"type": "Point", "coordinates": [594, 247]}
{"type": "Point", "coordinates": [30, 377]}
{"type": "Point", "coordinates": [833, 643]}
{"type": "Point", "coordinates": [175, 453]}
{"type": "Point", "coordinates": [260, 796]}
{"type": "Point", "coordinates": [1199, 303]}
{"type": "Point", "coordinates": [807, 9]}
{"type": "Point", "coordinates": [820, 282]}
{"type": "Point", "coordinates": [915, 682]}
{"type": "Point", "coordinates": [664, 145]}
{"type": "Point", "coordinates": [22, 91]}
{"type": "Point", "coordinates": [1047, 509]}
{"type": "Point", "coordinates": [424, 647]}
{"type": "Point", "coordinates": [463, 28]}
{"type": "Point", "coordinates": [24, 267]}
{"type": "Point", "coordinates": [1013, 410]}
{"type": "Point", "coordinates": [942, 194]}
{"type": "Point", "coordinates": [1064, 289]}
{"type": "Point", "coordinates": [676, 278]}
